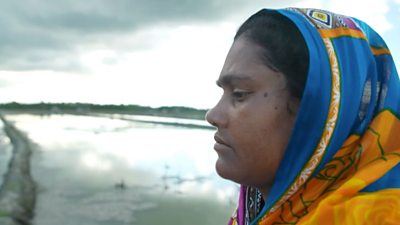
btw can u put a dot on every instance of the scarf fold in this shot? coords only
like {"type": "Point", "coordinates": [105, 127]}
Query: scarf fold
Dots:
{"type": "Point", "coordinates": [341, 165]}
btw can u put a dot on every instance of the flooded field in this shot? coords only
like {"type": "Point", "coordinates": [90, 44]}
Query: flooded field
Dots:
{"type": "Point", "coordinates": [97, 170]}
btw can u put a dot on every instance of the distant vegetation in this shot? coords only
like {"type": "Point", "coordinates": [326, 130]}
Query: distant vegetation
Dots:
{"type": "Point", "coordinates": [85, 108]}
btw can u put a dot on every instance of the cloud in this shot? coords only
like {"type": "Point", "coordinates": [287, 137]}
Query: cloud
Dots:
{"type": "Point", "coordinates": [164, 75]}
{"type": "Point", "coordinates": [4, 83]}
{"type": "Point", "coordinates": [47, 34]}
{"type": "Point", "coordinates": [368, 10]}
{"type": "Point", "coordinates": [391, 36]}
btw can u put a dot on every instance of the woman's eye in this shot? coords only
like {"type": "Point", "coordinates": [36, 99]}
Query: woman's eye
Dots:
{"type": "Point", "coordinates": [240, 95]}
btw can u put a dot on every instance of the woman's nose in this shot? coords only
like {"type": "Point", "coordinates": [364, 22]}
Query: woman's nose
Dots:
{"type": "Point", "coordinates": [216, 116]}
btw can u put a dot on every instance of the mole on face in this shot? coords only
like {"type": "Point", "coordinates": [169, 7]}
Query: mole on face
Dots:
{"type": "Point", "coordinates": [266, 95]}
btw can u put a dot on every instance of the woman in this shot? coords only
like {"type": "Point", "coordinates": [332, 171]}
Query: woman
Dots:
{"type": "Point", "coordinates": [308, 123]}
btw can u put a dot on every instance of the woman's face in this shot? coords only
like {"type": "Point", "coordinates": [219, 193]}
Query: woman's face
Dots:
{"type": "Point", "coordinates": [252, 117]}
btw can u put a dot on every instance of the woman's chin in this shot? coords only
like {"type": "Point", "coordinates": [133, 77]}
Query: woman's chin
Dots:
{"type": "Point", "coordinates": [226, 170]}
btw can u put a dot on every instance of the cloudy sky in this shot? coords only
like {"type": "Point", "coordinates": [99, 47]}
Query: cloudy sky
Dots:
{"type": "Point", "coordinates": [147, 52]}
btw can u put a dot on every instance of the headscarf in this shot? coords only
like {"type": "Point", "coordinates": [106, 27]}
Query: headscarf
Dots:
{"type": "Point", "coordinates": [341, 165]}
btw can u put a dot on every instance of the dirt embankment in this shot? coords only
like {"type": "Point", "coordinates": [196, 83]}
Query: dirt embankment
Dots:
{"type": "Point", "coordinates": [17, 193]}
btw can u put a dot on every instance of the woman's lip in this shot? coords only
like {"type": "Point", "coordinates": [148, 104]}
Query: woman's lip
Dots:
{"type": "Point", "coordinates": [220, 140]}
{"type": "Point", "coordinates": [221, 145]}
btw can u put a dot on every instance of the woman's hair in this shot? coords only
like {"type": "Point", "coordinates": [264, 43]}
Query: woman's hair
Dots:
{"type": "Point", "coordinates": [285, 48]}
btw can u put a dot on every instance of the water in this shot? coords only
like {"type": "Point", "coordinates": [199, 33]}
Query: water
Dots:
{"type": "Point", "coordinates": [160, 120]}
{"type": "Point", "coordinates": [93, 170]}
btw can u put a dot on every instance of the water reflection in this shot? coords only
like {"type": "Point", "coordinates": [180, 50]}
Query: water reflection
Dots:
{"type": "Point", "coordinates": [93, 170]}
{"type": "Point", "coordinates": [191, 123]}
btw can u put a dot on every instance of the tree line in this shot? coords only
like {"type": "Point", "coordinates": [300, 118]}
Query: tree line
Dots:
{"type": "Point", "coordinates": [82, 108]}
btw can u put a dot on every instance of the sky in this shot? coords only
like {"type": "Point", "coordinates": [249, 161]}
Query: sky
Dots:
{"type": "Point", "coordinates": [146, 52]}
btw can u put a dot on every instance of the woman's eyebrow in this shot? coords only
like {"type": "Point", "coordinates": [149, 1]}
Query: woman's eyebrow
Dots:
{"type": "Point", "coordinates": [229, 79]}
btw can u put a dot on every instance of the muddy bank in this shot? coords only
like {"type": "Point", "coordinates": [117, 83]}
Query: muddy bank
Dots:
{"type": "Point", "coordinates": [17, 193]}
